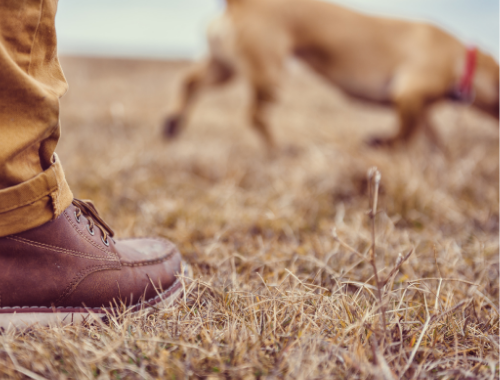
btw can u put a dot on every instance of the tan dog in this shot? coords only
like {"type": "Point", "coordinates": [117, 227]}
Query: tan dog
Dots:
{"type": "Point", "coordinates": [409, 65]}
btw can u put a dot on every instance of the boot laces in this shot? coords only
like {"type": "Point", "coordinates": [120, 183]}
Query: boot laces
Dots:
{"type": "Point", "coordinates": [87, 208]}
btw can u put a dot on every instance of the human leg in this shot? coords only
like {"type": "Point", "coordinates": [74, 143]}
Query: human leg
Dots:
{"type": "Point", "coordinates": [58, 258]}
{"type": "Point", "coordinates": [33, 189]}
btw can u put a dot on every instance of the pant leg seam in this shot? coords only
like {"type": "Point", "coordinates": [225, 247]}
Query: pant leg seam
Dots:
{"type": "Point", "coordinates": [34, 36]}
{"type": "Point", "coordinates": [55, 198]}
{"type": "Point", "coordinates": [27, 202]}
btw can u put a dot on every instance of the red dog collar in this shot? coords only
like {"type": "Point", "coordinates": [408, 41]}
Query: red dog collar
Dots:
{"type": "Point", "coordinates": [465, 91]}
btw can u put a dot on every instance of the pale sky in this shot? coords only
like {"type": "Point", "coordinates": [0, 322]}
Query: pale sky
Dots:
{"type": "Point", "coordinates": [175, 28]}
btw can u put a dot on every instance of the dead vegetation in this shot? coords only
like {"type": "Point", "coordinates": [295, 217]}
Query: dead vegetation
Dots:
{"type": "Point", "coordinates": [284, 283]}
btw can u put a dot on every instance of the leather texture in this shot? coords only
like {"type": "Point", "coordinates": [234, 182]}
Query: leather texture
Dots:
{"type": "Point", "coordinates": [61, 264]}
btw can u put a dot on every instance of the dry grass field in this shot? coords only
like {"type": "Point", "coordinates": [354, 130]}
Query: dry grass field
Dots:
{"type": "Point", "coordinates": [275, 294]}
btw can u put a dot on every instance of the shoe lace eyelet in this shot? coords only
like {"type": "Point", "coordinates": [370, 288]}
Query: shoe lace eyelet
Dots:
{"type": "Point", "coordinates": [90, 231]}
{"type": "Point", "coordinates": [77, 218]}
{"type": "Point", "coordinates": [106, 242]}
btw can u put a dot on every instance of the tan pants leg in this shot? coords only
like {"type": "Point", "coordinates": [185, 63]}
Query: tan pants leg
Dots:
{"type": "Point", "coordinates": [33, 189]}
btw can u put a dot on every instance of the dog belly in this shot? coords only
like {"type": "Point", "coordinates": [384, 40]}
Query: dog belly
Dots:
{"type": "Point", "coordinates": [365, 86]}
{"type": "Point", "coordinates": [363, 81]}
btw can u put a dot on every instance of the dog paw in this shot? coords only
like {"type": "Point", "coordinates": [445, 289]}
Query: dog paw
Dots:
{"type": "Point", "coordinates": [172, 127]}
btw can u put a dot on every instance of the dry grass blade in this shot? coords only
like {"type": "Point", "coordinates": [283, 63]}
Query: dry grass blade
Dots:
{"type": "Point", "coordinates": [345, 245]}
{"type": "Point", "coordinates": [374, 177]}
{"type": "Point", "coordinates": [399, 261]}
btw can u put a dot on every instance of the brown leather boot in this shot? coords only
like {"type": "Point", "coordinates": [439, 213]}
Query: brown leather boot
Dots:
{"type": "Point", "coordinates": [71, 266]}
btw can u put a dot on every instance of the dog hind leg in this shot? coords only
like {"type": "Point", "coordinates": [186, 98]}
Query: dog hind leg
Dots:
{"type": "Point", "coordinates": [264, 69]}
{"type": "Point", "coordinates": [262, 97]}
{"type": "Point", "coordinates": [207, 74]}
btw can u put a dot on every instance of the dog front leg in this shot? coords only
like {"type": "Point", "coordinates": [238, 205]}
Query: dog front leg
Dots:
{"type": "Point", "coordinates": [409, 116]}
{"type": "Point", "coordinates": [433, 135]}
{"type": "Point", "coordinates": [410, 111]}
{"type": "Point", "coordinates": [413, 91]}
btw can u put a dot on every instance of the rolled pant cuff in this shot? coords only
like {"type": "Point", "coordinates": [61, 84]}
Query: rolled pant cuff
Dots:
{"type": "Point", "coordinates": [35, 202]}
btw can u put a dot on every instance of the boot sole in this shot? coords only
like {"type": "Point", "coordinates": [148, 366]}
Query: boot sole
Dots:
{"type": "Point", "coordinates": [28, 316]}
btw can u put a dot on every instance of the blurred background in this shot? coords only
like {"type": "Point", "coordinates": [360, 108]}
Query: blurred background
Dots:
{"type": "Point", "coordinates": [175, 28]}
{"type": "Point", "coordinates": [239, 217]}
